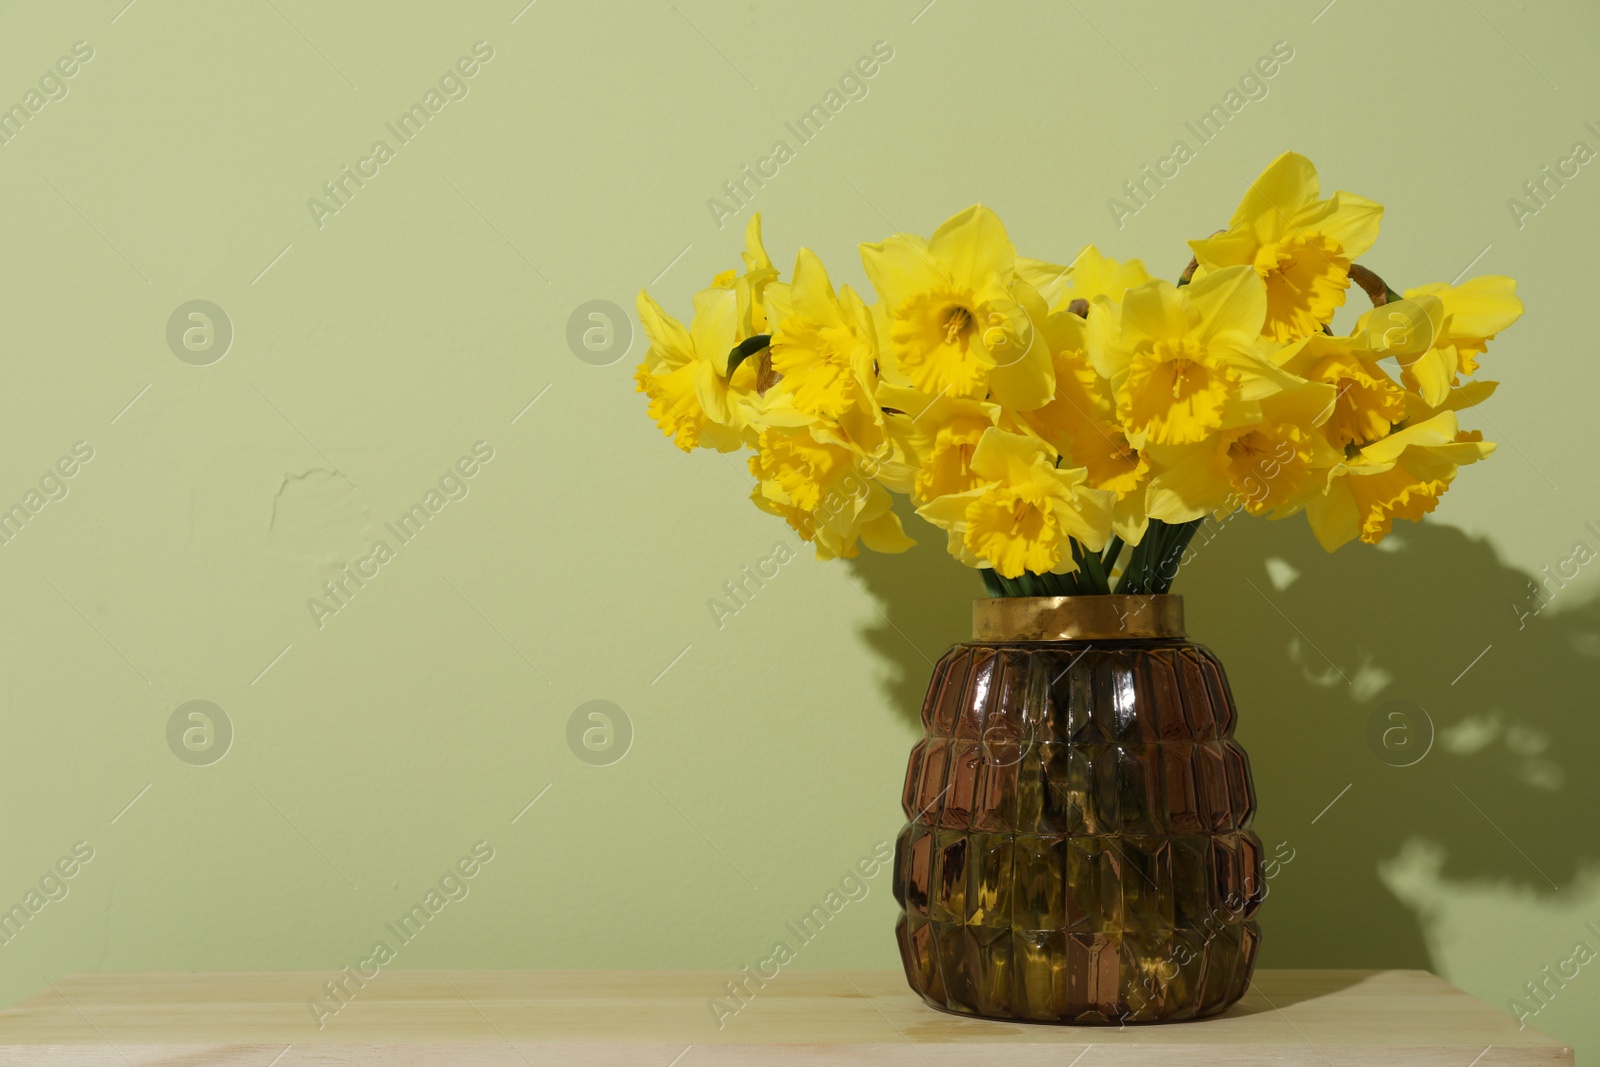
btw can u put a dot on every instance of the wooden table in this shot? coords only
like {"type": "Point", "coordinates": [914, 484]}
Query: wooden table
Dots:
{"type": "Point", "coordinates": [664, 1019]}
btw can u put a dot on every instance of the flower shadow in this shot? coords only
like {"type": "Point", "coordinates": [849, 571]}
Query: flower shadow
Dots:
{"type": "Point", "coordinates": [1401, 711]}
{"type": "Point", "coordinates": [1404, 718]}
{"type": "Point", "coordinates": [924, 605]}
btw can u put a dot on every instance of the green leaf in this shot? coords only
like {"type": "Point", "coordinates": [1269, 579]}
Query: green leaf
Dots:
{"type": "Point", "coordinates": [745, 349]}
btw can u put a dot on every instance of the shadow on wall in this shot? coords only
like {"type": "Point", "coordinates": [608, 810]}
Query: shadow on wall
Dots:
{"type": "Point", "coordinates": [925, 604]}
{"type": "Point", "coordinates": [1424, 675]}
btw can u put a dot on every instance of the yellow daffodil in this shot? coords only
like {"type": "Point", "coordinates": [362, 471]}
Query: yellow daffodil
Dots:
{"type": "Point", "coordinates": [1031, 410]}
{"type": "Point", "coordinates": [759, 272]}
{"type": "Point", "coordinates": [1095, 276]}
{"type": "Point", "coordinates": [824, 369]}
{"type": "Point", "coordinates": [825, 492]}
{"type": "Point", "coordinates": [937, 435]}
{"type": "Point", "coordinates": [1025, 512]}
{"type": "Point", "coordinates": [1091, 276]}
{"type": "Point", "coordinates": [1441, 330]}
{"type": "Point", "coordinates": [1264, 467]}
{"type": "Point", "coordinates": [1399, 477]}
{"type": "Point", "coordinates": [685, 371]}
{"type": "Point", "coordinates": [1182, 362]}
{"type": "Point", "coordinates": [1079, 422]}
{"type": "Point", "coordinates": [1110, 462]}
{"type": "Point", "coordinates": [1302, 246]}
{"type": "Point", "coordinates": [1081, 397]}
{"type": "Point", "coordinates": [682, 373]}
{"type": "Point", "coordinates": [749, 287]}
{"type": "Point", "coordinates": [1366, 404]}
{"type": "Point", "coordinates": [824, 345]}
{"type": "Point", "coordinates": [960, 321]}
{"type": "Point", "coordinates": [1466, 395]}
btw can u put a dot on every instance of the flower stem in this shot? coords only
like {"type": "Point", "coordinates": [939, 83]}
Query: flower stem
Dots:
{"type": "Point", "coordinates": [1177, 541]}
{"type": "Point", "coordinates": [1150, 570]}
{"type": "Point", "coordinates": [1091, 575]}
{"type": "Point", "coordinates": [1108, 559]}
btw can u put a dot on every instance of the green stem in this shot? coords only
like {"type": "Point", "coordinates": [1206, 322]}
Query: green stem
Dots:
{"type": "Point", "coordinates": [1125, 583]}
{"type": "Point", "coordinates": [1091, 575]}
{"type": "Point", "coordinates": [1176, 542]}
{"type": "Point", "coordinates": [1145, 573]}
{"type": "Point", "coordinates": [1136, 581]}
{"type": "Point", "coordinates": [1147, 566]}
{"type": "Point", "coordinates": [1108, 559]}
{"type": "Point", "coordinates": [1092, 578]}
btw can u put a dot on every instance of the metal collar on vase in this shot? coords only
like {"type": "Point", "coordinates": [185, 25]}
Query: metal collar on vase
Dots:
{"type": "Point", "coordinates": [1076, 618]}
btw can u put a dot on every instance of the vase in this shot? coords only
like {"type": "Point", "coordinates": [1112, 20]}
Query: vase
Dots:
{"type": "Point", "coordinates": [1078, 849]}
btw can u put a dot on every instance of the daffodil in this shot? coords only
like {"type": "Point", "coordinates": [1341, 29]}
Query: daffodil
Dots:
{"type": "Point", "coordinates": [824, 346]}
{"type": "Point", "coordinates": [1032, 410]}
{"type": "Point", "coordinates": [750, 287]}
{"type": "Point", "coordinates": [1366, 402]}
{"type": "Point", "coordinates": [937, 435]}
{"type": "Point", "coordinates": [959, 320]}
{"type": "Point", "coordinates": [1111, 463]}
{"type": "Point", "coordinates": [1081, 398]}
{"type": "Point", "coordinates": [1439, 330]}
{"type": "Point", "coordinates": [1466, 395]}
{"type": "Point", "coordinates": [1025, 513]}
{"type": "Point", "coordinates": [693, 398]}
{"type": "Point", "coordinates": [1090, 277]}
{"type": "Point", "coordinates": [683, 369]}
{"type": "Point", "coordinates": [1301, 245]}
{"type": "Point", "coordinates": [1399, 477]}
{"type": "Point", "coordinates": [825, 492]}
{"type": "Point", "coordinates": [1182, 362]}
{"type": "Point", "coordinates": [1080, 423]}
{"type": "Point", "coordinates": [1264, 467]}
{"type": "Point", "coordinates": [1095, 276]}
{"type": "Point", "coordinates": [824, 368]}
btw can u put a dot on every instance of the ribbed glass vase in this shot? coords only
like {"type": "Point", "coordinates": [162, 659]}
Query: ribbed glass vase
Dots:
{"type": "Point", "coordinates": [1078, 848]}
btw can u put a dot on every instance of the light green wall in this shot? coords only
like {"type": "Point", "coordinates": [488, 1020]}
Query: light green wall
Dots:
{"type": "Point", "coordinates": [766, 761]}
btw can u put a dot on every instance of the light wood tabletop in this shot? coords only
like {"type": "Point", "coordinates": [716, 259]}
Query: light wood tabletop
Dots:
{"type": "Point", "coordinates": [687, 1019]}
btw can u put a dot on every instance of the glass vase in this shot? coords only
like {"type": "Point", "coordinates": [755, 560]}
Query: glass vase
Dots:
{"type": "Point", "coordinates": [1078, 847]}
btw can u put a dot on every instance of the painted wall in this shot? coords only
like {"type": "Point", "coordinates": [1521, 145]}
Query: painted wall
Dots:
{"type": "Point", "coordinates": [411, 336]}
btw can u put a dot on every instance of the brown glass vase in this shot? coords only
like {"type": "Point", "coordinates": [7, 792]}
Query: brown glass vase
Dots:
{"type": "Point", "coordinates": [1078, 848]}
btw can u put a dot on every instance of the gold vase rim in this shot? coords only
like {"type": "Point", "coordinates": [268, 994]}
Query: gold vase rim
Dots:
{"type": "Point", "coordinates": [1077, 618]}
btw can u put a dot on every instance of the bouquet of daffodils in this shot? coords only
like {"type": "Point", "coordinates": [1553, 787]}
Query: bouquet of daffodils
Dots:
{"type": "Point", "coordinates": [1070, 427]}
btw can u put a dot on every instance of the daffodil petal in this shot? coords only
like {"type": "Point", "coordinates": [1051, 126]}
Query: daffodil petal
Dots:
{"type": "Point", "coordinates": [667, 335]}
{"type": "Point", "coordinates": [975, 247]}
{"type": "Point", "coordinates": [1002, 456]}
{"type": "Point", "coordinates": [1333, 516]}
{"type": "Point", "coordinates": [1349, 219]}
{"type": "Point", "coordinates": [1288, 184]}
{"type": "Point", "coordinates": [900, 267]}
{"type": "Point", "coordinates": [1233, 304]}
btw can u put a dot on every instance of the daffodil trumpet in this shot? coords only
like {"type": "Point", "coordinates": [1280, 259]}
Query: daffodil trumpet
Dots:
{"type": "Point", "coordinates": [1070, 427]}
